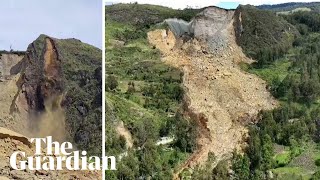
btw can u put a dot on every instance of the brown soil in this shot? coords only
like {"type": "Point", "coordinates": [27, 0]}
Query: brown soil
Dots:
{"type": "Point", "coordinates": [123, 131]}
{"type": "Point", "coordinates": [219, 95]}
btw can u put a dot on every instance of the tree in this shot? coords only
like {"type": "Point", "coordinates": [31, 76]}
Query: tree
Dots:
{"type": "Point", "coordinates": [220, 172]}
{"type": "Point", "coordinates": [185, 133]}
{"type": "Point", "coordinates": [267, 152]}
{"type": "Point", "coordinates": [316, 176]}
{"type": "Point", "coordinates": [204, 172]}
{"type": "Point", "coordinates": [127, 168]}
{"type": "Point", "coordinates": [241, 167]}
{"type": "Point", "coordinates": [111, 83]}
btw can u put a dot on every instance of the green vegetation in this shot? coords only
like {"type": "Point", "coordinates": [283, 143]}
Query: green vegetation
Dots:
{"type": "Point", "coordinates": [20, 53]}
{"type": "Point", "coordinates": [292, 7]}
{"type": "Point", "coordinates": [145, 94]}
{"type": "Point", "coordinates": [293, 78]}
{"type": "Point", "coordinates": [283, 158]}
{"type": "Point", "coordinates": [264, 36]}
{"type": "Point", "coordinates": [82, 74]}
{"type": "Point", "coordinates": [292, 173]}
{"type": "Point", "coordinates": [144, 15]}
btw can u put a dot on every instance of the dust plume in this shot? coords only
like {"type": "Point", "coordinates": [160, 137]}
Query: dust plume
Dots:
{"type": "Point", "coordinates": [50, 122]}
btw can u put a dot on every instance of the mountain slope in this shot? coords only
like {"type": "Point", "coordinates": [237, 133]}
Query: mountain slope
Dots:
{"type": "Point", "coordinates": [257, 30]}
{"type": "Point", "coordinates": [219, 99]}
{"type": "Point", "coordinates": [314, 6]}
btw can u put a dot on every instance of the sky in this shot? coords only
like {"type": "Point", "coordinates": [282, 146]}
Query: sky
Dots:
{"type": "Point", "coordinates": [181, 4]}
{"type": "Point", "coordinates": [23, 21]}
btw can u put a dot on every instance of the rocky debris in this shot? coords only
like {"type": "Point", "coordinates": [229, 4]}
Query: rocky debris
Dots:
{"type": "Point", "coordinates": [219, 95]}
{"type": "Point", "coordinates": [6, 133]}
{"type": "Point", "coordinates": [11, 141]}
{"type": "Point", "coordinates": [9, 117]}
{"type": "Point", "coordinates": [123, 131]}
{"type": "Point", "coordinates": [210, 27]}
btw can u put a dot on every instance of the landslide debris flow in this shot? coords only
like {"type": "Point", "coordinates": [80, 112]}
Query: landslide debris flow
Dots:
{"type": "Point", "coordinates": [221, 97]}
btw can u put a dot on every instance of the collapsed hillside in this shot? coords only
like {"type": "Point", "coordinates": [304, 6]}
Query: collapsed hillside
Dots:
{"type": "Point", "coordinates": [218, 94]}
{"type": "Point", "coordinates": [10, 75]}
{"type": "Point", "coordinates": [54, 89]}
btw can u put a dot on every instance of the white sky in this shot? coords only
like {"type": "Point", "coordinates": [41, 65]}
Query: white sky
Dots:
{"type": "Point", "coordinates": [203, 3]}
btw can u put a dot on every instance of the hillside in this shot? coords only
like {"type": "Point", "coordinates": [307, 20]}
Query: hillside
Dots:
{"type": "Point", "coordinates": [292, 6]}
{"type": "Point", "coordinates": [236, 90]}
{"type": "Point", "coordinates": [180, 78]}
{"type": "Point", "coordinates": [144, 95]}
{"type": "Point", "coordinates": [260, 31]}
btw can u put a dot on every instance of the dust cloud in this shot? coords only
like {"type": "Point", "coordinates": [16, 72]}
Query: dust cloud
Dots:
{"type": "Point", "coordinates": [50, 122]}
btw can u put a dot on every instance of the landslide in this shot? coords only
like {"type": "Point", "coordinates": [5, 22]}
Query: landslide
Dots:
{"type": "Point", "coordinates": [9, 76]}
{"type": "Point", "coordinates": [221, 97]}
{"type": "Point", "coordinates": [54, 89]}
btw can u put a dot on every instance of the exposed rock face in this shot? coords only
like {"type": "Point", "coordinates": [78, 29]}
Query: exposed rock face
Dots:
{"type": "Point", "coordinates": [43, 74]}
{"type": "Point", "coordinates": [10, 66]}
{"type": "Point", "coordinates": [180, 27]}
{"type": "Point", "coordinates": [218, 94]}
{"type": "Point", "coordinates": [210, 26]}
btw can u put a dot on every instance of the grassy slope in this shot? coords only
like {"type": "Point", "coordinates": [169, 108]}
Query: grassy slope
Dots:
{"type": "Point", "coordinates": [301, 166]}
{"type": "Point", "coordinates": [290, 164]}
{"type": "Point", "coordinates": [138, 62]}
{"type": "Point", "coordinates": [315, 6]}
{"type": "Point", "coordinates": [144, 15]}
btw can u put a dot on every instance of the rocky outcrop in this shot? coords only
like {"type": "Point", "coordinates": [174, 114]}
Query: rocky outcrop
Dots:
{"type": "Point", "coordinates": [209, 26]}
{"type": "Point", "coordinates": [43, 74]}
{"type": "Point", "coordinates": [180, 27]}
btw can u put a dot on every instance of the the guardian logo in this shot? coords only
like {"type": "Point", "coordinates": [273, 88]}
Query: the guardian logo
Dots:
{"type": "Point", "coordinates": [59, 157]}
